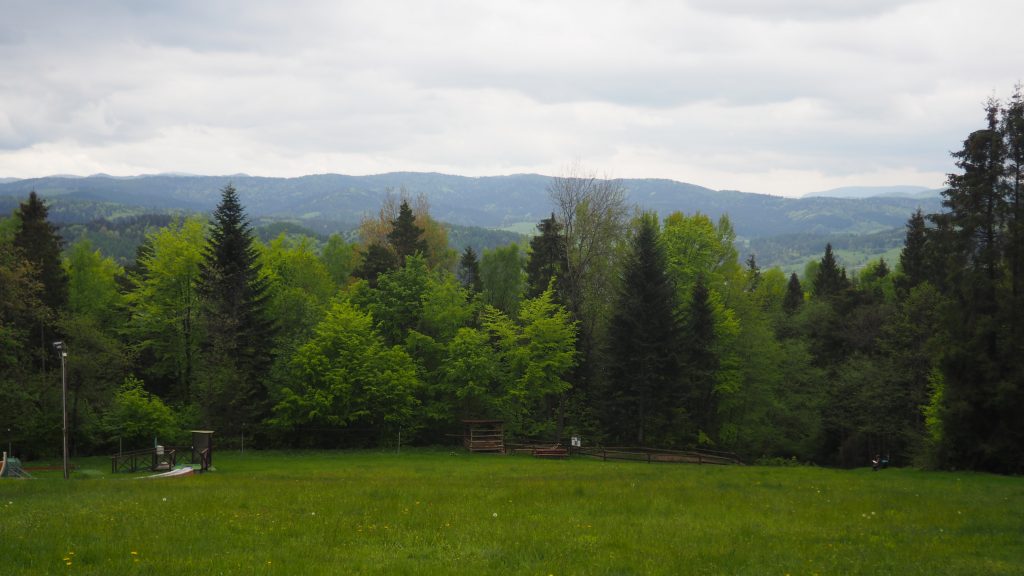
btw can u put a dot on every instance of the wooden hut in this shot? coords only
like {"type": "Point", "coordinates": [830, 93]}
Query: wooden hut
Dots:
{"type": "Point", "coordinates": [484, 435]}
{"type": "Point", "coordinates": [202, 449]}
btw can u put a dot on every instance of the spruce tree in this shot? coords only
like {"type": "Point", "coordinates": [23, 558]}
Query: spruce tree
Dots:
{"type": "Point", "coordinates": [547, 257]}
{"type": "Point", "coordinates": [644, 337]}
{"type": "Point", "coordinates": [469, 271]}
{"type": "Point", "coordinates": [831, 279]}
{"type": "Point", "coordinates": [753, 273]}
{"type": "Point", "coordinates": [240, 334]}
{"type": "Point", "coordinates": [406, 237]}
{"type": "Point", "coordinates": [378, 259]}
{"type": "Point", "coordinates": [914, 256]}
{"type": "Point", "coordinates": [794, 295]}
{"type": "Point", "coordinates": [983, 393]}
{"type": "Point", "coordinates": [700, 361]}
{"type": "Point", "coordinates": [41, 245]}
{"type": "Point", "coordinates": [37, 241]}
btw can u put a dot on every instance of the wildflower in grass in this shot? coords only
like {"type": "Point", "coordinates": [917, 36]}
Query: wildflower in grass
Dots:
{"type": "Point", "coordinates": [495, 515]}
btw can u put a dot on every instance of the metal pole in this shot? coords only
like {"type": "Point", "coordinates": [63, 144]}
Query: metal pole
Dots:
{"type": "Point", "coordinates": [64, 405]}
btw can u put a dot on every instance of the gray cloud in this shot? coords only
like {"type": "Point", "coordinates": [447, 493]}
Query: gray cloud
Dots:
{"type": "Point", "coordinates": [775, 96]}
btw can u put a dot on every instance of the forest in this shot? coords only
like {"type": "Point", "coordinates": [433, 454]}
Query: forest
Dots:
{"type": "Point", "coordinates": [623, 326]}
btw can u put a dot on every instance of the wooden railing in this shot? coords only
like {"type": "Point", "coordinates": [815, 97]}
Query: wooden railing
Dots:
{"type": "Point", "coordinates": [146, 458]}
{"type": "Point", "coordinates": [652, 455]}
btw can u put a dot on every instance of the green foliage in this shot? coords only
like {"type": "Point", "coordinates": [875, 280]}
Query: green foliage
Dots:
{"type": "Point", "coordinates": [93, 284]}
{"type": "Point", "coordinates": [347, 377]}
{"type": "Point", "coordinates": [164, 326]}
{"type": "Point", "coordinates": [469, 271]}
{"type": "Point", "coordinates": [535, 352]}
{"type": "Point", "coordinates": [547, 257]}
{"type": "Point", "coordinates": [378, 259]}
{"type": "Point", "coordinates": [794, 295]}
{"type": "Point", "coordinates": [136, 417]}
{"type": "Point", "coordinates": [235, 297]}
{"type": "Point", "coordinates": [473, 374]}
{"type": "Point", "coordinates": [38, 240]}
{"type": "Point", "coordinates": [643, 403]}
{"type": "Point", "coordinates": [397, 303]}
{"type": "Point", "coordinates": [830, 279]}
{"type": "Point", "coordinates": [501, 271]}
{"type": "Point", "coordinates": [406, 237]}
{"type": "Point", "coordinates": [340, 258]}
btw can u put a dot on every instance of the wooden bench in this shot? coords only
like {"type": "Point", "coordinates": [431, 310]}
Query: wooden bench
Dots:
{"type": "Point", "coordinates": [553, 452]}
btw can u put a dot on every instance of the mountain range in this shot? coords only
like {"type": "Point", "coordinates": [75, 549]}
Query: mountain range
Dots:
{"type": "Point", "coordinates": [514, 202]}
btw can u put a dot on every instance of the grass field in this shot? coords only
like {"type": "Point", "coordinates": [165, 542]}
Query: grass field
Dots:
{"type": "Point", "coordinates": [430, 512]}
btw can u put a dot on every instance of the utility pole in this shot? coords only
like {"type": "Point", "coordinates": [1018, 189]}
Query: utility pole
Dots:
{"type": "Point", "coordinates": [63, 351]}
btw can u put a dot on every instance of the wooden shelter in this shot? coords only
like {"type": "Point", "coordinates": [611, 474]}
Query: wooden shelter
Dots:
{"type": "Point", "coordinates": [202, 449]}
{"type": "Point", "coordinates": [484, 435]}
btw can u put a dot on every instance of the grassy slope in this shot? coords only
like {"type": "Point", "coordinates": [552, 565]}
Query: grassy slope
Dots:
{"type": "Point", "coordinates": [430, 513]}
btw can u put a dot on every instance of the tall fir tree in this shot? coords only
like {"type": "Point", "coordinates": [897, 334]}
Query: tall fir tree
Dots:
{"type": "Point", "coordinates": [240, 334]}
{"type": "Point", "coordinates": [39, 243]}
{"type": "Point", "coordinates": [406, 237]}
{"type": "Point", "coordinates": [469, 271]}
{"type": "Point", "coordinates": [547, 257]}
{"type": "Point", "coordinates": [914, 261]}
{"type": "Point", "coordinates": [378, 259]}
{"type": "Point", "coordinates": [983, 391]}
{"type": "Point", "coordinates": [831, 279]}
{"type": "Point", "coordinates": [700, 360]}
{"type": "Point", "coordinates": [1013, 136]}
{"type": "Point", "coordinates": [645, 334]}
{"type": "Point", "coordinates": [794, 295]}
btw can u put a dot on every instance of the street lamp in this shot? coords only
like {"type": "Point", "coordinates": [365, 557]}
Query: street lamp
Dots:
{"type": "Point", "coordinates": [62, 349]}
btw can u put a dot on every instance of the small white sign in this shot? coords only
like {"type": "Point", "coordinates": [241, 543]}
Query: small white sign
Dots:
{"type": "Point", "coordinates": [575, 441]}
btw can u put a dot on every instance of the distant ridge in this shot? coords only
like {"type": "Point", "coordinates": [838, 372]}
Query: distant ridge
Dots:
{"type": "Point", "coordinates": [877, 191]}
{"type": "Point", "coordinates": [489, 201]}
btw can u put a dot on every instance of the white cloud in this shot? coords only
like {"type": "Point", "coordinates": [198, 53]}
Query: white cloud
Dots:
{"type": "Point", "coordinates": [783, 96]}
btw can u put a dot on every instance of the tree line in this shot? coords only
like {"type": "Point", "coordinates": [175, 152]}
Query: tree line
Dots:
{"type": "Point", "coordinates": [625, 327]}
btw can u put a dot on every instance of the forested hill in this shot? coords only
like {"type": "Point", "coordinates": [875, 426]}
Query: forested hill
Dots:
{"type": "Point", "coordinates": [495, 201]}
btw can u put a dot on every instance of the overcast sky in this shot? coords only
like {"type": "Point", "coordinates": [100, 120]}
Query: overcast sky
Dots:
{"type": "Point", "coordinates": [776, 96]}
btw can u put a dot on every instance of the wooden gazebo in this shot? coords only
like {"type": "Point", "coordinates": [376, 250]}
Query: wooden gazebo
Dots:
{"type": "Point", "coordinates": [484, 435]}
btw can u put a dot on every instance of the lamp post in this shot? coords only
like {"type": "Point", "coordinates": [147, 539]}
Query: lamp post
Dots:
{"type": "Point", "coordinates": [63, 351]}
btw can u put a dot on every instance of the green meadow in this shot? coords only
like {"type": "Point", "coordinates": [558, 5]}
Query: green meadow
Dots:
{"type": "Point", "coordinates": [436, 512]}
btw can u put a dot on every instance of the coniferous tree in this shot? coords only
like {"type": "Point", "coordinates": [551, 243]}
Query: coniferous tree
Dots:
{"type": "Point", "coordinates": [547, 257]}
{"type": "Point", "coordinates": [700, 361]}
{"type": "Point", "coordinates": [831, 279]}
{"type": "Point", "coordinates": [469, 271]}
{"type": "Point", "coordinates": [240, 335]}
{"type": "Point", "coordinates": [38, 242]}
{"type": "Point", "coordinates": [644, 337]}
{"type": "Point", "coordinates": [405, 236]}
{"type": "Point", "coordinates": [377, 260]}
{"type": "Point", "coordinates": [794, 295]}
{"type": "Point", "coordinates": [982, 394]}
{"type": "Point", "coordinates": [914, 256]}
{"type": "Point", "coordinates": [1013, 135]}
{"type": "Point", "coordinates": [753, 273]}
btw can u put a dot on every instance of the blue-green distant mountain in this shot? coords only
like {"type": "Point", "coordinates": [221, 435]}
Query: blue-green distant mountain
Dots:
{"type": "Point", "coordinates": [489, 202]}
{"type": "Point", "coordinates": [918, 192]}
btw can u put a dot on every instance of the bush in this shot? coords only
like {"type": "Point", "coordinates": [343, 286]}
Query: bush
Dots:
{"type": "Point", "coordinates": [136, 416]}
